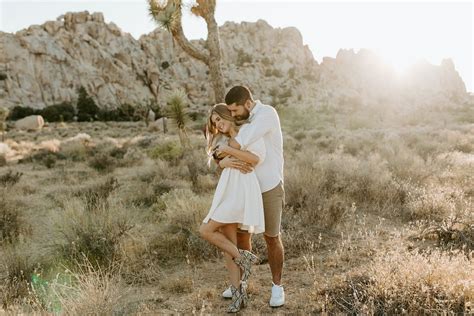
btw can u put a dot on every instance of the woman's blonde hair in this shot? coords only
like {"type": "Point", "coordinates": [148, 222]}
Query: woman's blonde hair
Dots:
{"type": "Point", "coordinates": [212, 133]}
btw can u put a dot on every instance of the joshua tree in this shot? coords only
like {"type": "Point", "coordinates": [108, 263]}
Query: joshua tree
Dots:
{"type": "Point", "coordinates": [177, 112]}
{"type": "Point", "coordinates": [167, 14]}
{"type": "Point", "coordinates": [3, 117]}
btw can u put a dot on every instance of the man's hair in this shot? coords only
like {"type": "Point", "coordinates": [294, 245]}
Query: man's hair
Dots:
{"type": "Point", "coordinates": [238, 95]}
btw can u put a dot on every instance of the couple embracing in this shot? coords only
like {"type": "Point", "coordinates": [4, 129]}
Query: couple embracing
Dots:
{"type": "Point", "coordinates": [244, 137]}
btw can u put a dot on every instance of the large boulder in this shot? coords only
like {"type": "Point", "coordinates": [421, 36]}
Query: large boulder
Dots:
{"type": "Point", "coordinates": [30, 123]}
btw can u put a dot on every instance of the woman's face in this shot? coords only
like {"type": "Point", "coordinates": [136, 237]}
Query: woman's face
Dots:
{"type": "Point", "coordinates": [222, 125]}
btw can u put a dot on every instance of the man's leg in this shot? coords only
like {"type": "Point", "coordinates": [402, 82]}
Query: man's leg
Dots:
{"type": "Point", "coordinates": [276, 256]}
{"type": "Point", "coordinates": [273, 202]}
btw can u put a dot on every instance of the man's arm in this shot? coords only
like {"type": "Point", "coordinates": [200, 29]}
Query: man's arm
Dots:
{"type": "Point", "coordinates": [260, 125]}
{"type": "Point", "coordinates": [242, 155]}
{"type": "Point", "coordinates": [231, 162]}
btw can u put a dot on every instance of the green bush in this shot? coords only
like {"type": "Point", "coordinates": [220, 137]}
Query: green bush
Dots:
{"type": "Point", "coordinates": [63, 112]}
{"type": "Point", "coordinates": [169, 151]}
{"type": "Point", "coordinates": [19, 112]}
{"type": "Point", "coordinates": [87, 110]}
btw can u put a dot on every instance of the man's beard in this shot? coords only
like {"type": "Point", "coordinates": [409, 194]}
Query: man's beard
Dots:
{"type": "Point", "coordinates": [243, 116]}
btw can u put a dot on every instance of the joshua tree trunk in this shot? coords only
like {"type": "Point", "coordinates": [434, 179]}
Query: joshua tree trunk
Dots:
{"type": "Point", "coordinates": [214, 64]}
{"type": "Point", "coordinates": [169, 16]}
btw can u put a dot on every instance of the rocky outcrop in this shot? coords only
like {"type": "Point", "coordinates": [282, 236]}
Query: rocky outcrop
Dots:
{"type": "Point", "coordinates": [46, 64]}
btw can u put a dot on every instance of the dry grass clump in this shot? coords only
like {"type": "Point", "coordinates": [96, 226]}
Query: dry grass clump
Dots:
{"type": "Point", "coordinates": [436, 202]}
{"type": "Point", "coordinates": [11, 220]}
{"type": "Point", "coordinates": [16, 269]}
{"type": "Point", "coordinates": [95, 196]}
{"type": "Point", "coordinates": [454, 232]}
{"type": "Point", "coordinates": [401, 281]}
{"type": "Point", "coordinates": [76, 149]}
{"type": "Point", "coordinates": [322, 189]}
{"type": "Point", "coordinates": [10, 178]}
{"type": "Point", "coordinates": [185, 209]}
{"type": "Point", "coordinates": [95, 235]}
{"type": "Point", "coordinates": [90, 291]}
{"type": "Point", "coordinates": [44, 157]}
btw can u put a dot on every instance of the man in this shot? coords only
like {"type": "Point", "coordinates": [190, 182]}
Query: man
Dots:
{"type": "Point", "coordinates": [264, 123]}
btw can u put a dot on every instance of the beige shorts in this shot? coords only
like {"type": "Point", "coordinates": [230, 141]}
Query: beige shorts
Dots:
{"type": "Point", "coordinates": [273, 203]}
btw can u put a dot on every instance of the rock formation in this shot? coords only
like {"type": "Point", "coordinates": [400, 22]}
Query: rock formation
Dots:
{"type": "Point", "coordinates": [46, 64]}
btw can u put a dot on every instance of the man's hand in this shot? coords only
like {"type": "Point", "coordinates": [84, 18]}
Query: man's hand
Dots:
{"type": "Point", "coordinates": [231, 162]}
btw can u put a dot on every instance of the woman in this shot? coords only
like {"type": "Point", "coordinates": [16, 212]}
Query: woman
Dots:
{"type": "Point", "coordinates": [237, 201]}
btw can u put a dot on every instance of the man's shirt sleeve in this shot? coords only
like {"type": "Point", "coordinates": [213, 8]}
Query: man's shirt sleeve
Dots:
{"type": "Point", "coordinates": [262, 124]}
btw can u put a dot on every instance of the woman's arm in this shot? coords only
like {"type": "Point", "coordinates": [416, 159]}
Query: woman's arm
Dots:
{"type": "Point", "coordinates": [243, 155]}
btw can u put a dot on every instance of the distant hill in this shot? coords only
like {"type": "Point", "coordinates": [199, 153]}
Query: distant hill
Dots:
{"type": "Point", "coordinates": [45, 64]}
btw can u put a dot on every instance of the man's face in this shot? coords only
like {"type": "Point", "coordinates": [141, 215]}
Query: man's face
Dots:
{"type": "Point", "coordinates": [240, 112]}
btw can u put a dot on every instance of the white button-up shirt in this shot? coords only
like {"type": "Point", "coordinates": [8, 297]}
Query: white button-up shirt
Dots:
{"type": "Point", "coordinates": [264, 122]}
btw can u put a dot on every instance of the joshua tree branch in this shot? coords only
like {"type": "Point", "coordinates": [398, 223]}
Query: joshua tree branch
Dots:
{"type": "Point", "coordinates": [186, 45]}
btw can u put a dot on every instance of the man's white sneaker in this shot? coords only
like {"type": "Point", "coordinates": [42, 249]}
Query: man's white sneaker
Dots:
{"type": "Point", "coordinates": [278, 296]}
{"type": "Point", "coordinates": [227, 293]}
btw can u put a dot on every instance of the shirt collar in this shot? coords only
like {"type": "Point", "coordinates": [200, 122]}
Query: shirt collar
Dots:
{"type": "Point", "coordinates": [255, 109]}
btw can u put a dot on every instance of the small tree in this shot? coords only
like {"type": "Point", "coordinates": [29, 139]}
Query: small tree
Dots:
{"type": "Point", "coordinates": [176, 110]}
{"type": "Point", "coordinates": [3, 117]}
{"type": "Point", "coordinates": [87, 110]}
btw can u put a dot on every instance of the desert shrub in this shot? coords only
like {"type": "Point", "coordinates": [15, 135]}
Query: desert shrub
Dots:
{"type": "Point", "coordinates": [87, 110]}
{"type": "Point", "coordinates": [89, 291]}
{"type": "Point", "coordinates": [325, 187]}
{"type": "Point", "coordinates": [277, 73]}
{"type": "Point", "coordinates": [44, 157]}
{"type": "Point", "coordinates": [175, 245]}
{"type": "Point", "coordinates": [11, 222]}
{"type": "Point", "coordinates": [19, 112]}
{"type": "Point", "coordinates": [435, 202]}
{"type": "Point", "coordinates": [243, 57]}
{"type": "Point", "coordinates": [300, 135]}
{"type": "Point", "coordinates": [169, 151]}
{"type": "Point", "coordinates": [165, 65]}
{"type": "Point", "coordinates": [408, 282]}
{"type": "Point", "coordinates": [3, 160]}
{"type": "Point", "coordinates": [63, 112]}
{"type": "Point", "coordinates": [454, 232]}
{"type": "Point", "coordinates": [184, 214]}
{"type": "Point", "coordinates": [103, 162]}
{"type": "Point", "coordinates": [16, 270]}
{"type": "Point", "coordinates": [185, 209]}
{"type": "Point", "coordinates": [10, 178]}
{"type": "Point", "coordinates": [75, 150]}
{"type": "Point", "coordinates": [93, 236]}
{"type": "Point", "coordinates": [95, 196]}
{"type": "Point", "coordinates": [266, 61]}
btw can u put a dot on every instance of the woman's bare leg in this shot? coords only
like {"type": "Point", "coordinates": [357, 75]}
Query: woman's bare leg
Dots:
{"type": "Point", "coordinates": [230, 232]}
{"type": "Point", "coordinates": [210, 232]}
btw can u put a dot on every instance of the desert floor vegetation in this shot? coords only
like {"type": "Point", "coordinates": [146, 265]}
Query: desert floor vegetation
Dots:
{"type": "Point", "coordinates": [103, 217]}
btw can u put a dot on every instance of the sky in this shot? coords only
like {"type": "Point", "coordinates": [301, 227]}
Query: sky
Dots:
{"type": "Point", "coordinates": [400, 32]}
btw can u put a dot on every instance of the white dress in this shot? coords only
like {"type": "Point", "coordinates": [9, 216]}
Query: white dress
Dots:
{"type": "Point", "coordinates": [238, 198]}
